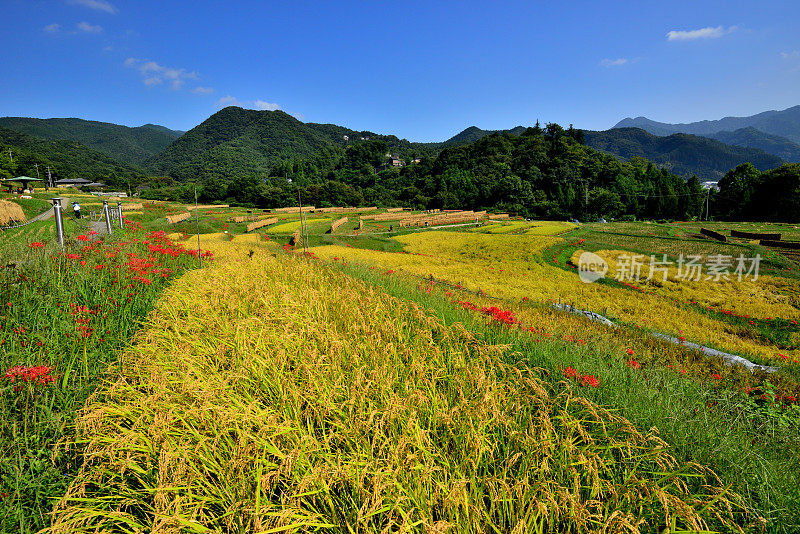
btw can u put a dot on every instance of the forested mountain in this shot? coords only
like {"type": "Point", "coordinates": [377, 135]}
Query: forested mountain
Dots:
{"type": "Point", "coordinates": [236, 142]}
{"type": "Point", "coordinates": [784, 123]}
{"type": "Point", "coordinates": [682, 154]}
{"type": "Point", "coordinates": [776, 145]}
{"type": "Point", "coordinates": [66, 159]}
{"type": "Point", "coordinates": [473, 133]}
{"type": "Point", "coordinates": [128, 145]}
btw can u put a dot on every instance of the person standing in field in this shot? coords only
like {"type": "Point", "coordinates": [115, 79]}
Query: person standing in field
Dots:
{"type": "Point", "coordinates": [77, 208]}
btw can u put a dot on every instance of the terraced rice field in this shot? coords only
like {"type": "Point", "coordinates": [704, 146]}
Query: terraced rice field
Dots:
{"type": "Point", "coordinates": [420, 382]}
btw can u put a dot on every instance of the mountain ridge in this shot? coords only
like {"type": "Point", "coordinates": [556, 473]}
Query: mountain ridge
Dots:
{"type": "Point", "coordinates": [130, 145]}
{"type": "Point", "coordinates": [783, 123]}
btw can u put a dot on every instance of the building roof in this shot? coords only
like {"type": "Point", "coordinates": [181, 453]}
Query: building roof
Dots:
{"type": "Point", "coordinates": [96, 184]}
{"type": "Point", "coordinates": [22, 179]}
{"type": "Point", "coordinates": [73, 181]}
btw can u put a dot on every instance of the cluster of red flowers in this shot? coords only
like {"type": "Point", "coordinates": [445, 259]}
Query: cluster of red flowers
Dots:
{"type": "Point", "coordinates": [583, 380]}
{"type": "Point", "coordinates": [39, 375]}
{"type": "Point", "coordinates": [36, 244]}
{"type": "Point", "coordinates": [83, 316]}
{"type": "Point", "coordinates": [502, 316]}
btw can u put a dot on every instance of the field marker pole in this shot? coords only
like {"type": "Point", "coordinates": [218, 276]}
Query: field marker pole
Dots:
{"type": "Point", "coordinates": [303, 229]}
{"type": "Point", "coordinates": [197, 225]}
{"type": "Point", "coordinates": [119, 212]}
{"type": "Point", "coordinates": [59, 220]}
{"type": "Point", "coordinates": [108, 217]}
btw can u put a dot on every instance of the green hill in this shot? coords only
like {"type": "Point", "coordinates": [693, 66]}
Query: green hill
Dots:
{"type": "Point", "coordinates": [682, 154]}
{"type": "Point", "coordinates": [66, 159]}
{"type": "Point", "coordinates": [238, 142]}
{"type": "Point", "coordinates": [473, 133]}
{"type": "Point", "coordinates": [235, 142]}
{"type": "Point", "coordinates": [749, 137]}
{"type": "Point", "coordinates": [128, 145]}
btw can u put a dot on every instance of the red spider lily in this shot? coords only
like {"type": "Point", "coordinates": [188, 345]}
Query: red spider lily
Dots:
{"type": "Point", "coordinates": [72, 256]}
{"type": "Point", "coordinates": [590, 381]}
{"type": "Point", "coordinates": [98, 267]}
{"type": "Point", "coordinates": [630, 352]}
{"type": "Point", "coordinates": [92, 232]}
{"type": "Point", "coordinates": [569, 372]}
{"type": "Point", "coordinates": [36, 375]}
{"type": "Point", "coordinates": [716, 376]}
{"type": "Point", "coordinates": [36, 244]}
{"type": "Point", "coordinates": [82, 237]}
{"type": "Point", "coordinates": [633, 364]}
{"type": "Point", "coordinates": [503, 316]}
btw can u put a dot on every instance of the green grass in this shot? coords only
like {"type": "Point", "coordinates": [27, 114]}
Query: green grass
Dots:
{"type": "Point", "coordinates": [41, 324]}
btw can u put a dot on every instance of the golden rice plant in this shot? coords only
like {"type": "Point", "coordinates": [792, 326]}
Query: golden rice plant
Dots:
{"type": "Point", "coordinates": [509, 266]}
{"type": "Point", "coordinates": [272, 394]}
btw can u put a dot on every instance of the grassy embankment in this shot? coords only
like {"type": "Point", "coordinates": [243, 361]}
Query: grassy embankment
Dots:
{"type": "Point", "coordinates": [64, 315]}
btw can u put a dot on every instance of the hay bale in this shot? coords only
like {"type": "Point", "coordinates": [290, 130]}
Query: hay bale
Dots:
{"type": "Point", "coordinates": [11, 213]}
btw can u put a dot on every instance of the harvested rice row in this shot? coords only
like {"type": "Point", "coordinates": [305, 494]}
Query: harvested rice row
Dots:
{"type": "Point", "coordinates": [270, 394]}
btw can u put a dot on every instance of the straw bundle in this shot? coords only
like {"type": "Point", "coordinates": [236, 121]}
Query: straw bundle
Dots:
{"type": "Point", "coordinates": [11, 212]}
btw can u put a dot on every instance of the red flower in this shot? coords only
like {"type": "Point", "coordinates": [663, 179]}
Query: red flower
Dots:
{"type": "Point", "coordinates": [82, 238]}
{"type": "Point", "coordinates": [98, 267]}
{"type": "Point", "coordinates": [72, 256]}
{"type": "Point", "coordinates": [633, 364]}
{"type": "Point", "coordinates": [569, 372]}
{"type": "Point", "coordinates": [589, 380]}
{"type": "Point", "coordinates": [716, 376]}
{"type": "Point", "coordinates": [36, 375]}
{"type": "Point", "coordinates": [36, 244]}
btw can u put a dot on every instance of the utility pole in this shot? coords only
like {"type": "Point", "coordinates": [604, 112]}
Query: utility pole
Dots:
{"type": "Point", "coordinates": [10, 156]}
{"type": "Point", "coordinates": [197, 225]}
{"type": "Point", "coordinates": [708, 192]}
{"type": "Point", "coordinates": [586, 201]}
{"type": "Point", "coordinates": [37, 169]}
{"type": "Point", "coordinates": [49, 177]}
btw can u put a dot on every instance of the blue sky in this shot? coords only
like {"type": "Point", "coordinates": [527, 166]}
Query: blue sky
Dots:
{"type": "Point", "coordinates": [419, 70]}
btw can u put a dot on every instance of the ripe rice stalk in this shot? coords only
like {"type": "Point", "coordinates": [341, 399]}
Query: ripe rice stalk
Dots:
{"type": "Point", "coordinates": [262, 223]}
{"type": "Point", "coordinates": [276, 394]}
{"type": "Point", "coordinates": [337, 223]}
{"type": "Point", "coordinates": [172, 219]}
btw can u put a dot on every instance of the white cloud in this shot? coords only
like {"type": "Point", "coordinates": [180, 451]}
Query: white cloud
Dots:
{"type": "Point", "coordinates": [794, 54]}
{"type": "Point", "coordinates": [258, 104]}
{"type": "Point", "coordinates": [154, 73]}
{"type": "Point", "coordinates": [203, 90]}
{"type": "Point", "coordinates": [100, 5]}
{"type": "Point", "coordinates": [229, 100]}
{"type": "Point", "coordinates": [52, 28]}
{"type": "Point", "coordinates": [702, 33]}
{"type": "Point", "coordinates": [262, 105]}
{"type": "Point", "coordinates": [89, 28]}
{"type": "Point", "coordinates": [614, 62]}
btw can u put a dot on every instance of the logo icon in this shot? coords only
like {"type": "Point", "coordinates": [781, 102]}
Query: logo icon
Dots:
{"type": "Point", "coordinates": [591, 267]}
